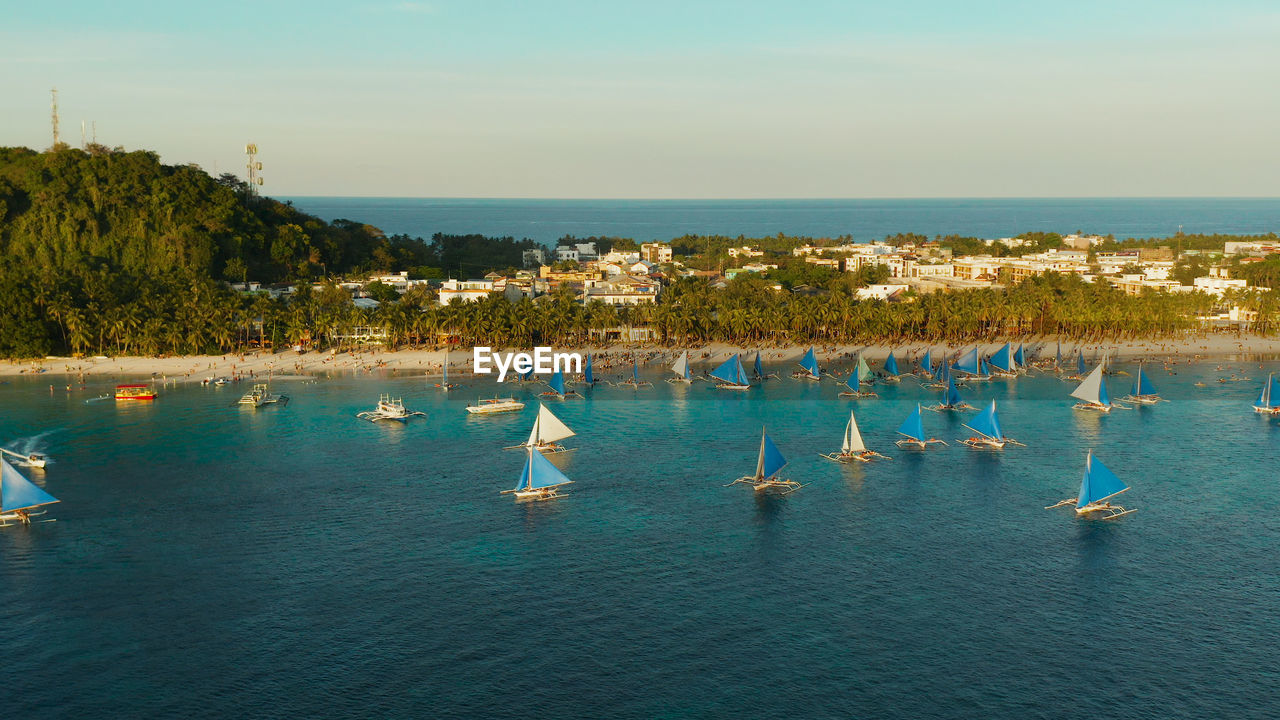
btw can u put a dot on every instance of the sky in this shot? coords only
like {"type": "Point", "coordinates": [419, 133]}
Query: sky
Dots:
{"type": "Point", "coordinates": [569, 99]}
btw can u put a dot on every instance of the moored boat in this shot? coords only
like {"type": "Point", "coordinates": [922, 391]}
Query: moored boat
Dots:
{"type": "Point", "coordinates": [493, 406]}
{"type": "Point", "coordinates": [141, 391]}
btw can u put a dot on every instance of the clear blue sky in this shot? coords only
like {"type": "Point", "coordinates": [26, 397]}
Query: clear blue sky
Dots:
{"type": "Point", "coordinates": [915, 98]}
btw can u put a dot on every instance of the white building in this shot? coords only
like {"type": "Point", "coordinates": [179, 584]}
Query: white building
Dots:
{"type": "Point", "coordinates": [467, 290]}
{"type": "Point", "coordinates": [622, 290]}
{"type": "Point", "coordinates": [535, 257]}
{"type": "Point", "coordinates": [656, 253]}
{"type": "Point", "coordinates": [1218, 286]}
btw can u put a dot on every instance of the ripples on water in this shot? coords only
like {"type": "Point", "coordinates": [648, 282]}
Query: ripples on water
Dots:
{"type": "Point", "coordinates": [211, 560]}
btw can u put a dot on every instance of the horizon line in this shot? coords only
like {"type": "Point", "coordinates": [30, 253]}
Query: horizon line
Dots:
{"type": "Point", "coordinates": [784, 199]}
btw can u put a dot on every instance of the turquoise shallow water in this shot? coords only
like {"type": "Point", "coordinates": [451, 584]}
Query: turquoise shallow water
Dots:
{"type": "Point", "coordinates": [295, 561]}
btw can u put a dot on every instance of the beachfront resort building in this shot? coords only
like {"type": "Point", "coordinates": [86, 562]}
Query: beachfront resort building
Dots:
{"type": "Point", "coordinates": [622, 290]}
{"type": "Point", "coordinates": [465, 290]}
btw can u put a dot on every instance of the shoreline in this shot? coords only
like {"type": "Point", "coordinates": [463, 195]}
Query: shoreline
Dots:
{"type": "Point", "coordinates": [289, 365]}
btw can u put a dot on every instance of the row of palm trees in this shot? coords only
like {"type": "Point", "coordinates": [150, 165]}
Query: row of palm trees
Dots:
{"type": "Point", "coordinates": [197, 316]}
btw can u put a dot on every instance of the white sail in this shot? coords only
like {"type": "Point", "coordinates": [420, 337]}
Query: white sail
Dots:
{"type": "Point", "coordinates": [548, 428]}
{"type": "Point", "coordinates": [682, 364]}
{"type": "Point", "coordinates": [852, 438]}
{"type": "Point", "coordinates": [1091, 389]}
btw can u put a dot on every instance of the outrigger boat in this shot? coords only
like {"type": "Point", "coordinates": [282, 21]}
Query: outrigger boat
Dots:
{"type": "Point", "coordinates": [809, 367]}
{"type": "Point", "coordinates": [758, 368]}
{"type": "Point", "coordinates": [635, 380]}
{"type": "Point", "coordinates": [891, 372]}
{"type": "Point", "coordinates": [444, 383]}
{"type": "Point", "coordinates": [1092, 393]}
{"type": "Point", "coordinates": [854, 449]}
{"type": "Point", "coordinates": [18, 496]}
{"type": "Point", "coordinates": [540, 480]}
{"type": "Point", "coordinates": [926, 365]}
{"type": "Point", "coordinates": [1096, 488]}
{"type": "Point", "coordinates": [547, 431]}
{"type": "Point", "coordinates": [1020, 358]}
{"type": "Point", "coordinates": [1004, 364]}
{"type": "Point", "coordinates": [971, 365]}
{"type": "Point", "coordinates": [953, 400]}
{"type": "Point", "coordinates": [141, 391]}
{"type": "Point", "coordinates": [389, 409]}
{"type": "Point", "coordinates": [558, 390]}
{"type": "Point", "coordinates": [912, 430]}
{"type": "Point", "coordinates": [769, 463]}
{"type": "Point", "coordinates": [989, 435]}
{"type": "Point", "coordinates": [493, 406]}
{"type": "Point", "coordinates": [588, 376]}
{"type": "Point", "coordinates": [1268, 403]}
{"type": "Point", "coordinates": [940, 379]}
{"type": "Point", "coordinates": [261, 395]}
{"type": "Point", "coordinates": [35, 460]}
{"type": "Point", "coordinates": [681, 369]}
{"type": "Point", "coordinates": [1143, 392]}
{"type": "Point", "coordinates": [854, 383]}
{"type": "Point", "coordinates": [730, 375]}
{"type": "Point", "coordinates": [1081, 368]}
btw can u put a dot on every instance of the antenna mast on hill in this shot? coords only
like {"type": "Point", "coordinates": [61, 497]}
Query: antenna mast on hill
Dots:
{"type": "Point", "coordinates": [56, 139]}
{"type": "Point", "coordinates": [254, 166]}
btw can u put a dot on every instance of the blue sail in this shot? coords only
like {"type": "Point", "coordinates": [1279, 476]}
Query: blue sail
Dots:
{"type": "Point", "coordinates": [557, 382]}
{"type": "Point", "coordinates": [853, 380]}
{"type": "Point", "coordinates": [635, 372]}
{"type": "Point", "coordinates": [1143, 386]}
{"type": "Point", "coordinates": [731, 372]}
{"type": "Point", "coordinates": [968, 363]}
{"type": "Point", "coordinates": [1099, 483]}
{"type": "Point", "coordinates": [1058, 363]}
{"type": "Point", "coordinates": [759, 368]}
{"type": "Point", "coordinates": [926, 362]}
{"type": "Point", "coordinates": [913, 426]}
{"type": "Point", "coordinates": [891, 364]}
{"type": "Point", "coordinates": [1103, 397]}
{"type": "Point", "coordinates": [985, 370]}
{"type": "Point", "coordinates": [18, 493]}
{"type": "Point", "coordinates": [1001, 359]}
{"type": "Point", "coordinates": [810, 363]}
{"type": "Point", "coordinates": [1020, 357]}
{"type": "Point", "coordinates": [540, 473]}
{"type": "Point", "coordinates": [953, 395]}
{"type": "Point", "coordinates": [588, 375]}
{"type": "Point", "coordinates": [1273, 397]}
{"type": "Point", "coordinates": [986, 423]}
{"type": "Point", "coordinates": [1080, 366]}
{"type": "Point", "coordinates": [771, 460]}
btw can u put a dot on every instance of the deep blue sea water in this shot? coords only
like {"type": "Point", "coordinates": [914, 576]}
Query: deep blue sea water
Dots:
{"type": "Point", "coordinates": [548, 220]}
{"type": "Point", "coordinates": [208, 560]}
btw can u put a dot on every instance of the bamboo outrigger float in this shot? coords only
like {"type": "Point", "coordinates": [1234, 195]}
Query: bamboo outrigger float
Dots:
{"type": "Point", "coordinates": [768, 465]}
{"type": "Point", "coordinates": [1097, 487]}
{"type": "Point", "coordinates": [853, 449]}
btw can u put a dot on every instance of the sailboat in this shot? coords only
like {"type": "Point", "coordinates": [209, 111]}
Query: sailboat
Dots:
{"type": "Point", "coordinates": [635, 380]}
{"type": "Point", "coordinates": [853, 447]}
{"type": "Point", "coordinates": [1143, 392]}
{"type": "Point", "coordinates": [769, 463]}
{"type": "Point", "coordinates": [547, 431]}
{"type": "Point", "coordinates": [953, 401]}
{"type": "Point", "coordinates": [731, 376]}
{"type": "Point", "coordinates": [940, 379]}
{"type": "Point", "coordinates": [865, 376]}
{"type": "Point", "coordinates": [681, 369]}
{"type": "Point", "coordinates": [970, 365]}
{"type": "Point", "coordinates": [1092, 393]}
{"type": "Point", "coordinates": [926, 364]}
{"type": "Point", "coordinates": [987, 427]}
{"type": "Point", "coordinates": [984, 371]}
{"type": "Point", "coordinates": [444, 383]}
{"type": "Point", "coordinates": [1268, 401]}
{"type": "Point", "coordinates": [758, 369]}
{"type": "Point", "coordinates": [540, 480]}
{"type": "Point", "coordinates": [18, 496]}
{"type": "Point", "coordinates": [891, 372]}
{"type": "Point", "coordinates": [588, 376]}
{"type": "Point", "coordinates": [809, 365]}
{"type": "Point", "coordinates": [854, 383]}
{"type": "Point", "coordinates": [912, 430]}
{"type": "Point", "coordinates": [1081, 368]}
{"type": "Point", "coordinates": [1020, 357]}
{"type": "Point", "coordinates": [1003, 362]}
{"type": "Point", "coordinates": [1096, 488]}
{"type": "Point", "coordinates": [558, 390]}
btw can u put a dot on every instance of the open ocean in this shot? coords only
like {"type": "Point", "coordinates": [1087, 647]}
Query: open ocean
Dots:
{"type": "Point", "coordinates": [214, 561]}
{"type": "Point", "coordinates": [548, 220]}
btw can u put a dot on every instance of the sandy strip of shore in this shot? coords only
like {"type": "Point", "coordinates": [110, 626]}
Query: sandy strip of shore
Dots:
{"type": "Point", "coordinates": [292, 365]}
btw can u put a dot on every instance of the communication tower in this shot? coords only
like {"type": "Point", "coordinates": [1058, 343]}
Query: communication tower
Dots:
{"type": "Point", "coordinates": [57, 140]}
{"type": "Point", "coordinates": [255, 167]}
